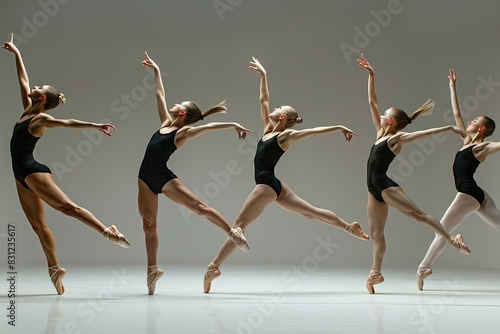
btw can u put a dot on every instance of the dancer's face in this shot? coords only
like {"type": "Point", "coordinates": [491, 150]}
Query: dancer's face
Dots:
{"type": "Point", "coordinates": [474, 125]}
{"type": "Point", "coordinates": [385, 118]}
{"type": "Point", "coordinates": [177, 108]}
{"type": "Point", "coordinates": [37, 92]}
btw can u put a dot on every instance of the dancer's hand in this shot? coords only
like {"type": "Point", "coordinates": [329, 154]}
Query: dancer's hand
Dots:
{"type": "Point", "coordinates": [242, 132]}
{"type": "Point", "coordinates": [104, 128]}
{"type": "Point", "coordinates": [348, 133]}
{"type": "Point", "coordinates": [256, 66]}
{"type": "Point", "coordinates": [458, 131]}
{"type": "Point", "coordinates": [9, 46]}
{"type": "Point", "coordinates": [453, 78]}
{"type": "Point", "coordinates": [148, 62]}
{"type": "Point", "coordinates": [365, 64]}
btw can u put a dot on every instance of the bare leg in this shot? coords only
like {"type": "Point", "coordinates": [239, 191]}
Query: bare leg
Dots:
{"type": "Point", "coordinates": [180, 194]}
{"type": "Point", "coordinates": [260, 197]}
{"type": "Point", "coordinates": [293, 203]}
{"type": "Point", "coordinates": [43, 185]}
{"type": "Point", "coordinates": [148, 209]}
{"type": "Point", "coordinates": [395, 197]}
{"type": "Point", "coordinates": [34, 210]}
{"type": "Point", "coordinates": [377, 217]}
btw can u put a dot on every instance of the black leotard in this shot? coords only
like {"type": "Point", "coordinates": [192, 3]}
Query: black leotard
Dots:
{"type": "Point", "coordinates": [154, 171]}
{"type": "Point", "coordinates": [464, 167]}
{"type": "Point", "coordinates": [22, 145]}
{"type": "Point", "coordinates": [266, 158]}
{"type": "Point", "coordinates": [380, 158]}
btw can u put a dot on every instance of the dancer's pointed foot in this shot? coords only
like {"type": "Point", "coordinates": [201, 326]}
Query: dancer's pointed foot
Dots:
{"type": "Point", "coordinates": [112, 234]}
{"type": "Point", "coordinates": [56, 274]}
{"type": "Point", "coordinates": [154, 274]}
{"type": "Point", "coordinates": [236, 234]}
{"type": "Point", "coordinates": [422, 273]}
{"type": "Point", "coordinates": [211, 273]}
{"type": "Point", "coordinates": [375, 277]}
{"type": "Point", "coordinates": [458, 243]}
{"type": "Point", "coordinates": [355, 230]}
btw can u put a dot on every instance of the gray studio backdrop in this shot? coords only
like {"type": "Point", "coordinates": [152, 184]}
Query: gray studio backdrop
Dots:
{"type": "Point", "coordinates": [91, 51]}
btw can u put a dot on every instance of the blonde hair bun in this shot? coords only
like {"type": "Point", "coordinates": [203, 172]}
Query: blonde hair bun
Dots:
{"type": "Point", "coordinates": [62, 99]}
{"type": "Point", "coordinates": [298, 120]}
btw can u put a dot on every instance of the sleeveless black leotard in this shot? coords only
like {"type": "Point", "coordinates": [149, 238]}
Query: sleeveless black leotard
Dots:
{"type": "Point", "coordinates": [22, 145]}
{"type": "Point", "coordinates": [154, 171]}
{"type": "Point", "coordinates": [464, 167]}
{"type": "Point", "coordinates": [379, 160]}
{"type": "Point", "coordinates": [266, 158]}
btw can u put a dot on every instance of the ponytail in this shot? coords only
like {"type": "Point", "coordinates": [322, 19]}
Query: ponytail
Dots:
{"type": "Point", "coordinates": [402, 118]}
{"type": "Point", "coordinates": [194, 114]}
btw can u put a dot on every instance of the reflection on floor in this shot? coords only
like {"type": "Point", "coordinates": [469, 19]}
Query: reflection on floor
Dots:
{"type": "Point", "coordinates": [254, 300]}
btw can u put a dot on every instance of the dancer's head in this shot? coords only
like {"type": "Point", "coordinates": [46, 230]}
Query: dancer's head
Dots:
{"type": "Point", "coordinates": [483, 124]}
{"type": "Point", "coordinates": [47, 96]}
{"type": "Point", "coordinates": [192, 113]}
{"type": "Point", "coordinates": [399, 119]}
{"type": "Point", "coordinates": [286, 114]}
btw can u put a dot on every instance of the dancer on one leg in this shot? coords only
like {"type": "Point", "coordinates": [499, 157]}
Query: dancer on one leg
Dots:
{"type": "Point", "coordinates": [156, 178]}
{"type": "Point", "coordinates": [470, 197]}
{"type": "Point", "coordinates": [384, 192]}
{"type": "Point", "coordinates": [276, 140]}
{"type": "Point", "coordinates": [34, 181]}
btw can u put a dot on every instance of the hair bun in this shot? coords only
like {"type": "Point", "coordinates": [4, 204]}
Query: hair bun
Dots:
{"type": "Point", "coordinates": [62, 99]}
{"type": "Point", "coordinates": [298, 120]}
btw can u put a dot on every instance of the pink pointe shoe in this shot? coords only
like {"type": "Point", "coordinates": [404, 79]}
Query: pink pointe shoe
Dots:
{"type": "Point", "coordinates": [458, 243]}
{"type": "Point", "coordinates": [355, 230]}
{"type": "Point", "coordinates": [375, 277]}
{"type": "Point", "coordinates": [211, 273]}
{"type": "Point", "coordinates": [154, 274]}
{"type": "Point", "coordinates": [421, 275]}
{"type": "Point", "coordinates": [112, 234]}
{"type": "Point", "coordinates": [236, 234]}
{"type": "Point", "coordinates": [56, 274]}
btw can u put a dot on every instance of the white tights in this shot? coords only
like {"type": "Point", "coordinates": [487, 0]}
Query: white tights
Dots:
{"type": "Point", "coordinates": [461, 207]}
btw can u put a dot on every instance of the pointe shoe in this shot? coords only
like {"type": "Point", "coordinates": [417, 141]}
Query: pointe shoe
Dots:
{"type": "Point", "coordinates": [56, 275]}
{"type": "Point", "coordinates": [112, 234]}
{"type": "Point", "coordinates": [355, 230]}
{"type": "Point", "coordinates": [421, 275]}
{"type": "Point", "coordinates": [236, 234]}
{"type": "Point", "coordinates": [211, 273]}
{"type": "Point", "coordinates": [375, 277]}
{"type": "Point", "coordinates": [458, 243]}
{"type": "Point", "coordinates": [154, 274]}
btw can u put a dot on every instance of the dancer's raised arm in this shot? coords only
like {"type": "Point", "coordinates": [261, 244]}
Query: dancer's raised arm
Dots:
{"type": "Point", "coordinates": [165, 117]}
{"type": "Point", "coordinates": [456, 108]}
{"type": "Point", "coordinates": [372, 95]}
{"type": "Point", "coordinates": [22, 75]}
{"type": "Point", "coordinates": [264, 94]}
{"type": "Point", "coordinates": [400, 139]}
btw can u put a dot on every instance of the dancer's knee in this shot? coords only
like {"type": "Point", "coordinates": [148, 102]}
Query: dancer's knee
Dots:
{"type": "Point", "coordinates": [149, 226]}
{"type": "Point", "coordinates": [69, 209]}
{"type": "Point", "coordinates": [201, 209]}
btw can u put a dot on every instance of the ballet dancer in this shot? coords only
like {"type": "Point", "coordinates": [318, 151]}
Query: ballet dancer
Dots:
{"type": "Point", "coordinates": [383, 191]}
{"type": "Point", "coordinates": [470, 197]}
{"type": "Point", "coordinates": [34, 181]}
{"type": "Point", "coordinates": [156, 178]}
{"type": "Point", "coordinates": [276, 140]}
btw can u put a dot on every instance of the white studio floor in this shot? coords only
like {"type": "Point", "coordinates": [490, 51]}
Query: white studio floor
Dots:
{"type": "Point", "coordinates": [254, 299]}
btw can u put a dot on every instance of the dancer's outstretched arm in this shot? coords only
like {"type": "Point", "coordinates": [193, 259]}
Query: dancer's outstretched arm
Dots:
{"type": "Point", "coordinates": [372, 95]}
{"type": "Point", "coordinates": [22, 75]}
{"type": "Point", "coordinates": [44, 121]}
{"type": "Point", "coordinates": [264, 95]}
{"type": "Point", "coordinates": [400, 139]}
{"type": "Point", "coordinates": [190, 132]}
{"type": "Point", "coordinates": [287, 137]}
{"type": "Point", "coordinates": [165, 117]}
